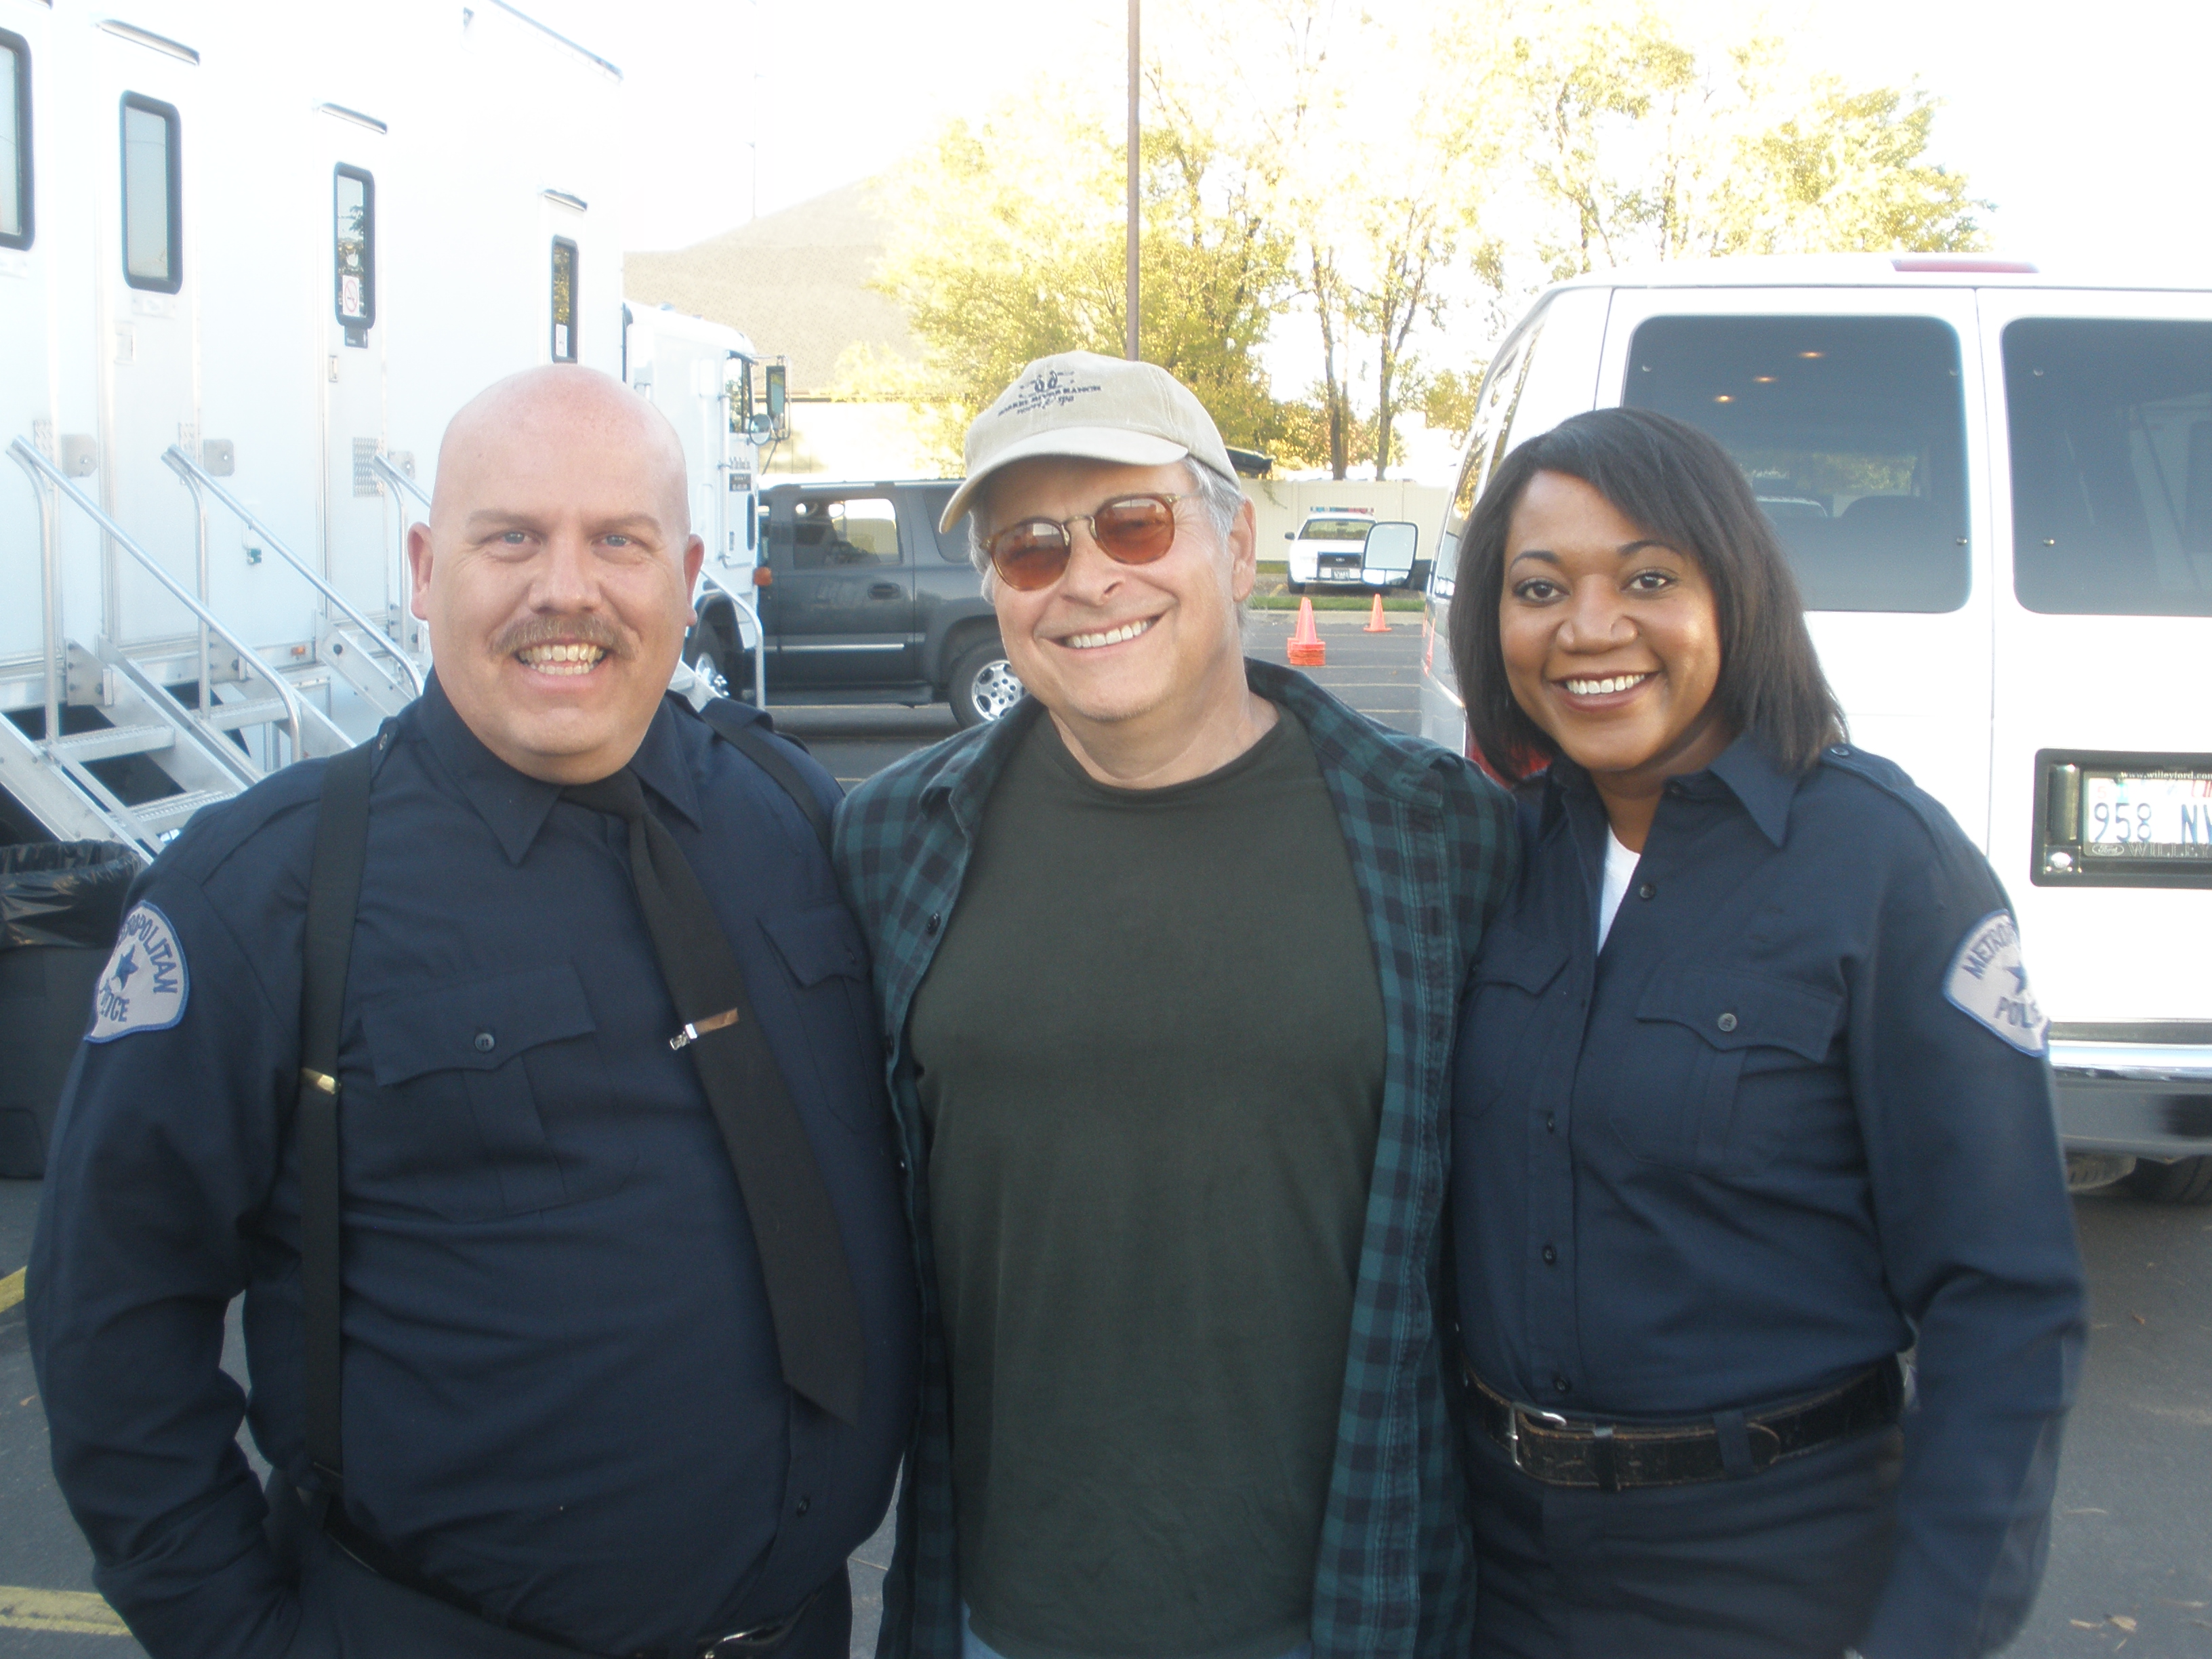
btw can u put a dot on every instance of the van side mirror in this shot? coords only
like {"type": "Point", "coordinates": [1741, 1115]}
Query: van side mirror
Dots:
{"type": "Point", "coordinates": [1392, 542]}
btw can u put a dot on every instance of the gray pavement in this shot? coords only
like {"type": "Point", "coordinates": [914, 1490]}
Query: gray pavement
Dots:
{"type": "Point", "coordinates": [2131, 1552]}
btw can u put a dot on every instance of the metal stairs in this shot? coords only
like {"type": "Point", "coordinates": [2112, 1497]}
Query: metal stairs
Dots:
{"type": "Point", "coordinates": [118, 753]}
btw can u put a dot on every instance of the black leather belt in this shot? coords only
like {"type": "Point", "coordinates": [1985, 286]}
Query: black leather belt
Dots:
{"type": "Point", "coordinates": [1570, 1452]}
{"type": "Point", "coordinates": [380, 1558]}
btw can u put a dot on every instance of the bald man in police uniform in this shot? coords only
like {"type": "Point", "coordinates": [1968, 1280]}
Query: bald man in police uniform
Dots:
{"type": "Point", "coordinates": [569, 1417]}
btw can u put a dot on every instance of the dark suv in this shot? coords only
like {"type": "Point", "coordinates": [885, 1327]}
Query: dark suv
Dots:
{"type": "Point", "coordinates": [865, 602]}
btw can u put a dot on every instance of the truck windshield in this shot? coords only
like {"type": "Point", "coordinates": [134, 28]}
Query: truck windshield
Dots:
{"type": "Point", "coordinates": [1335, 529]}
{"type": "Point", "coordinates": [2111, 465]}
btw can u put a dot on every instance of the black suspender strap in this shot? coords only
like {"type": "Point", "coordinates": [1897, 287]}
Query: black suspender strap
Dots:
{"type": "Point", "coordinates": [333, 897]}
{"type": "Point", "coordinates": [767, 754]}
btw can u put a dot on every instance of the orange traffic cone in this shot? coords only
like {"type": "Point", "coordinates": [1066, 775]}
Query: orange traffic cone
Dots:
{"type": "Point", "coordinates": [1375, 623]}
{"type": "Point", "coordinates": [1306, 649]}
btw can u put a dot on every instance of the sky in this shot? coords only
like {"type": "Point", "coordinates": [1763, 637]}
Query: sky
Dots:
{"type": "Point", "coordinates": [2083, 125]}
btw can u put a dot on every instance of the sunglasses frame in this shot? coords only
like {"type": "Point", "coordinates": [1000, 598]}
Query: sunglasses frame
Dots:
{"type": "Point", "coordinates": [1090, 521]}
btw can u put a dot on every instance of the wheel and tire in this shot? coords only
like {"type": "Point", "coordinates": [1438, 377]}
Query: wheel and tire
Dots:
{"type": "Point", "coordinates": [2184, 1181]}
{"type": "Point", "coordinates": [982, 686]}
{"type": "Point", "coordinates": [716, 654]}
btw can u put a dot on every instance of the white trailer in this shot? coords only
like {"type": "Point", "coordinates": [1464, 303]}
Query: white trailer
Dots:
{"type": "Point", "coordinates": [700, 374]}
{"type": "Point", "coordinates": [252, 257]}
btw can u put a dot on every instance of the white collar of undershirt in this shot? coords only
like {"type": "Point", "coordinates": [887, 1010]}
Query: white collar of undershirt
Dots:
{"type": "Point", "coordinates": [1620, 861]}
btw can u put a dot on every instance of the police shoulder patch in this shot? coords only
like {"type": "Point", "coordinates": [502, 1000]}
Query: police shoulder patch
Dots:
{"type": "Point", "coordinates": [1989, 982]}
{"type": "Point", "coordinates": [144, 985]}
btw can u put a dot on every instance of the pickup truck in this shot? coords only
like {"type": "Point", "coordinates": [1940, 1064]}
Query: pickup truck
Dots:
{"type": "Point", "coordinates": [862, 601]}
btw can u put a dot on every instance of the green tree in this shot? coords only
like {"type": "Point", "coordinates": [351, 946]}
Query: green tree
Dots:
{"type": "Point", "coordinates": [1009, 246]}
{"type": "Point", "coordinates": [1644, 150]}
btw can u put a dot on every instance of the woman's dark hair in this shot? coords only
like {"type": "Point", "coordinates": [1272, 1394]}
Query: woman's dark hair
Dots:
{"type": "Point", "coordinates": [1679, 485]}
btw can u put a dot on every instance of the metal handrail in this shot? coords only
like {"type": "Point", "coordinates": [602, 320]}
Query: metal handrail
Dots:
{"type": "Point", "coordinates": [760, 633]}
{"type": "Point", "coordinates": [401, 485]}
{"type": "Point", "coordinates": [30, 458]}
{"type": "Point", "coordinates": [50, 600]}
{"type": "Point", "coordinates": [195, 478]}
{"type": "Point", "coordinates": [382, 466]}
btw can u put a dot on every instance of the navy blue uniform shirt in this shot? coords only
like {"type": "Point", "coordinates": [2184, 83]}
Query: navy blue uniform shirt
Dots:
{"type": "Point", "coordinates": [1793, 1117]}
{"type": "Point", "coordinates": [563, 1393]}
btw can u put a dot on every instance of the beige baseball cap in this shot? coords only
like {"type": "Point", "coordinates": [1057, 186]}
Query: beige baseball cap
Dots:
{"type": "Point", "coordinates": [1088, 408]}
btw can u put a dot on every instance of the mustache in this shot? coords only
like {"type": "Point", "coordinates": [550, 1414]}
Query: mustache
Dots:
{"type": "Point", "coordinates": [583, 628]}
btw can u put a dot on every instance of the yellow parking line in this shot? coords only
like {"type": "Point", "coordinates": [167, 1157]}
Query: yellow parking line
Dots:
{"type": "Point", "coordinates": [11, 1290]}
{"type": "Point", "coordinates": [79, 1613]}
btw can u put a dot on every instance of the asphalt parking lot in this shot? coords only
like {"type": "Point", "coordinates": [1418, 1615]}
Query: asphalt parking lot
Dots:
{"type": "Point", "coordinates": [2131, 1551]}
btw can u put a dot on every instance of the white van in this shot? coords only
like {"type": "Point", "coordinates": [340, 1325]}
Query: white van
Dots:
{"type": "Point", "coordinates": [1995, 488]}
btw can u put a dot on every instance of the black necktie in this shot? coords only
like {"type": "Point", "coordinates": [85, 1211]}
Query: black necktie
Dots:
{"type": "Point", "coordinates": [802, 1254]}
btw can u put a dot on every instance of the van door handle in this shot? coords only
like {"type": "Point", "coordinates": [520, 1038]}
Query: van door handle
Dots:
{"type": "Point", "coordinates": [885, 591]}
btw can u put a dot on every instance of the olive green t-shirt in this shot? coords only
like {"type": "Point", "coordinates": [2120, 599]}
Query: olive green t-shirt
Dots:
{"type": "Point", "coordinates": [1150, 1055]}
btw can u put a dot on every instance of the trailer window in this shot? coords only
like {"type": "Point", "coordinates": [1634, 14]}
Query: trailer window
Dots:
{"type": "Point", "coordinates": [2111, 465]}
{"type": "Point", "coordinates": [564, 301]}
{"type": "Point", "coordinates": [1853, 433]}
{"type": "Point", "coordinates": [153, 208]}
{"type": "Point", "coordinates": [827, 535]}
{"type": "Point", "coordinates": [353, 251]}
{"type": "Point", "coordinates": [14, 141]}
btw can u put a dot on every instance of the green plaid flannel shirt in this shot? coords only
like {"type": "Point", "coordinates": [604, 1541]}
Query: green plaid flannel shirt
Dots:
{"type": "Point", "coordinates": [1433, 853]}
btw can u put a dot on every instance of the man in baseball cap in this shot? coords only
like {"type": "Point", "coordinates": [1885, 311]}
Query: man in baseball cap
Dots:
{"type": "Point", "coordinates": [1167, 957]}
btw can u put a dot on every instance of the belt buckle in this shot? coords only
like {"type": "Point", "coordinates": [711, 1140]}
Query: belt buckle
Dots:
{"type": "Point", "coordinates": [738, 1643]}
{"type": "Point", "coordinates": [1513, 1414]}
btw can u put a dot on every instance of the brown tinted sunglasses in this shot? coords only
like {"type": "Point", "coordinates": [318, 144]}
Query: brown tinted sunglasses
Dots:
{"type": "Point", "coordinates": [1129, 530]}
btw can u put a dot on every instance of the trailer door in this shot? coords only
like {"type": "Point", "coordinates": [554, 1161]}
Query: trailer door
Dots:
{"type": "Point", "coordinates": [146, 324]}
{"type": "Point", "coordinates": [360, 548]}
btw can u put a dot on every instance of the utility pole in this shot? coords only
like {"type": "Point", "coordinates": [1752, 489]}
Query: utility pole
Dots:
{"type": "Point", "coordinates": [1136, 64]}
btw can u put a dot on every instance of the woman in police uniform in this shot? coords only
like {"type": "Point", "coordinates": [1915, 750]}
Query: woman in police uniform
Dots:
{"type": "Point", "coordinates": [1751, 1097]}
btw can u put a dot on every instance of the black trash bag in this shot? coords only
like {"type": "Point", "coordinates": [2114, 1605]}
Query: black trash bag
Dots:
{"type": "Point", "coordinates": [64, 892]}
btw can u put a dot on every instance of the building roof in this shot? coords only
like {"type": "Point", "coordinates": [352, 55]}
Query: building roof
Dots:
{"type": "Point", "coordinates": [796, 281]}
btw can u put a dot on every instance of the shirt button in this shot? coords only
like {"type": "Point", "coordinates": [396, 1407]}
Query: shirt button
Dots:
{"type": "Point", "coordinates": [1561, 1385]}
{"type": "Point", "coordinates": [936, 920]}
{"type": "Point", "coordinates": [1551, 1255]}
{"type": "Point", "coordinates": [1551, 1123]}
{"type": "Point", "coordinates": [802, 1506]}
{"type": "Point", "coordinates": [486, 1042]}
{"type": "Point", "coordinates": [1647, 892]}
{"type": "Point", "coordinates": [1726, 1022]}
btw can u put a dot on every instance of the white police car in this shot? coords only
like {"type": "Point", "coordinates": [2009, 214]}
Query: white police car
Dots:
{"type": "Point", "coordinates": [1341, 549]}
{"type": "Point", "coordinates": [1995, 488]}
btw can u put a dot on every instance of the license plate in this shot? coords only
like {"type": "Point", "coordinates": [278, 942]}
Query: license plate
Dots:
{"type": "Point", "coordinates": [2147, 815]}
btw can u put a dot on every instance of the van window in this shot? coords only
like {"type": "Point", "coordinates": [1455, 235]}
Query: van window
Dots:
{"type": "Point", "coordinates": [1335, 529]}
{"type": "Point", "coordinates": [152, 215]}
{"type": "Point", "coordinates": [2111, 465]}
{"type": "Point", "coordinates": [841, 535]}
{"type": "Point", "coordinates": [1853, 433]}
{"type": "Point", "coordinates": [1505, 401]}
{"type": "Point", "coordinates": [564, 301]}
{"type": "Point", "coordinates": [14, 141]}
{"type": "Point", "coordinates": [353, 256]}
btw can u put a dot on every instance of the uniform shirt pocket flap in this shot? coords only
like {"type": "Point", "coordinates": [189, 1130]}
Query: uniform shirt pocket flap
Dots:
{"type": "Point", "coordinates": [1746, 1010]}
{"type": "Point", "coordinates": [1510, 956]}
{"type": "Point", "coordinates": [474, 1025]}
{"type": "Point", "coordinates": [817, 943]}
